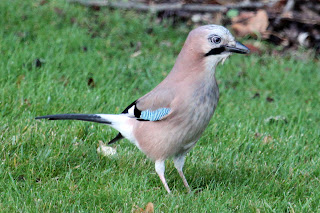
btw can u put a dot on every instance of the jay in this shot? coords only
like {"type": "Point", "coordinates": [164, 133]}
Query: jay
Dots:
{"type": "Point", "coordinates": [169, 120]}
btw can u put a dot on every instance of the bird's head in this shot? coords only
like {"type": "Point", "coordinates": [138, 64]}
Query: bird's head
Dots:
{"type": "Point", "coordinates": [215, 43]}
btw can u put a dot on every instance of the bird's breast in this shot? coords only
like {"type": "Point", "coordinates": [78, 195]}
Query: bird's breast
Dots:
{"type": "Point", "coordinates": [193, 117]}
{"type": "Point", "coordinates": [205, 99]}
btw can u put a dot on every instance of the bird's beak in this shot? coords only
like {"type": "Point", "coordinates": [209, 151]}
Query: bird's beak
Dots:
{"type": "Point", "coordinates": [238, 48]}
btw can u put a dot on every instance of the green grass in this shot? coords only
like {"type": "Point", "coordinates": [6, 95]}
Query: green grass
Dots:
{"type": "Point", "coordinates": [241, 163]}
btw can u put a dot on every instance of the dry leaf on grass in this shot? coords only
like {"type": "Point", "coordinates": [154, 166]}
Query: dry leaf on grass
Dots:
{"type": "Point", "coordinates": [267, 139]}
{"type": "Point", "coordinates": [135, 54]}
{"type": "Point", "coordinates": [91, 82]}
{"type": "Point", "coordinates": [148, 209]}
{"type": "Point", "coordinates": [257, 135]}
{"type": "Point", "coordinates": [106, 150]}
{"type": "Point", "coordinates": [269, 99]}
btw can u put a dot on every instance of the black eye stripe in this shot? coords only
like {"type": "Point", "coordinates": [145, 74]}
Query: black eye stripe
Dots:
{"type": "Point", "coordinates": [215, 51]}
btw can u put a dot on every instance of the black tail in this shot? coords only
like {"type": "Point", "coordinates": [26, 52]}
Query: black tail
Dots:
{"type": "Point", "coordinates": [118, 137]}
{"type": "Point", "coordinates": [81, 117]}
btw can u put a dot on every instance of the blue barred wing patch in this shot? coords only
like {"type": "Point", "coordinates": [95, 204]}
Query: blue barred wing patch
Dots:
{"type": "Point", "coordinates": [154, 115]}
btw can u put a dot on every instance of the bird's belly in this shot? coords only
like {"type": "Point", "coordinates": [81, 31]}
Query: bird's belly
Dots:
{"type": "Point", "coordinates": [199, 114]}
{"type": "Point", "coordinates": [179, 132]}
{"type": "Point", "coordinates": [173, 136]}
{"type": "Point", "coordinates": [197, 123]}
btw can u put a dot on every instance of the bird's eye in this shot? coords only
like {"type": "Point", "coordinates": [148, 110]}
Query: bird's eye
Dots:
{"type": "Point", "coordinates": [215, 39]}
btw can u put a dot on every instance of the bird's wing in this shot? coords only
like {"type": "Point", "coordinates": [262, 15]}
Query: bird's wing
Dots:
{"type": "Point", "coordinates": [154, 106]}
{"type": "Point", "coordinates": [146, 115]}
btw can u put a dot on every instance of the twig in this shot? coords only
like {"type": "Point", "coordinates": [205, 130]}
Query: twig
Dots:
{"type": "Point", "coordinates": [172, 7]}
{"type": "Point", "coordinates": [145, 7]}
{"type": "Point", "coordinates": [287, 8]}
{"type": "Point", "coordinates": [296, 17]}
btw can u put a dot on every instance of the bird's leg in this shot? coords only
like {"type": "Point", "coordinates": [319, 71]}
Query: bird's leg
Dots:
{"type": "Point", "coordinates": [178, 163]}
{"type": "Point", "coordinates": [160, 167]}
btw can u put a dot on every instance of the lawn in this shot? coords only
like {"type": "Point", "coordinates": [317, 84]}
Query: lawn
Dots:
{"type": "Point", "coordinates": [57, 57]}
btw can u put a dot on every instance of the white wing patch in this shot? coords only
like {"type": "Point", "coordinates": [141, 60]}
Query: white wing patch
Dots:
{"type": "Point", "coordinates": [131, 110]}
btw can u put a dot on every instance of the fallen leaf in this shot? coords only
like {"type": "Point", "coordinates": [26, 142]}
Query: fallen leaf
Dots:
{"type": "Point", "coordinates": [135, 54]}
{"type": "Point", "coordinates": [250, 22]}
{"type": "Point", "coordinates": [149, 208]}
{"type": "Point", "coordinates": [26, 101]}
{"type": "Point", "coordinates": [91, 82]}
{"type": "Point", "coordinates": [139, 210]}
{"type": "Point", "coordinates": [257, 135]}
{"type": "Point", "coordinates": [106, 150]}
{"type": "Point", "coordinates": [256, 95]}
{"type": "Point", "coordinates": [267, 139]}
{"type": "Point", "coordinates": [269, 99]}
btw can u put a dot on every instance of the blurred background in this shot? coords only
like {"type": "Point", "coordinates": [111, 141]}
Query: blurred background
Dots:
{"type": "Point", "coordinates": [288, 23]}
